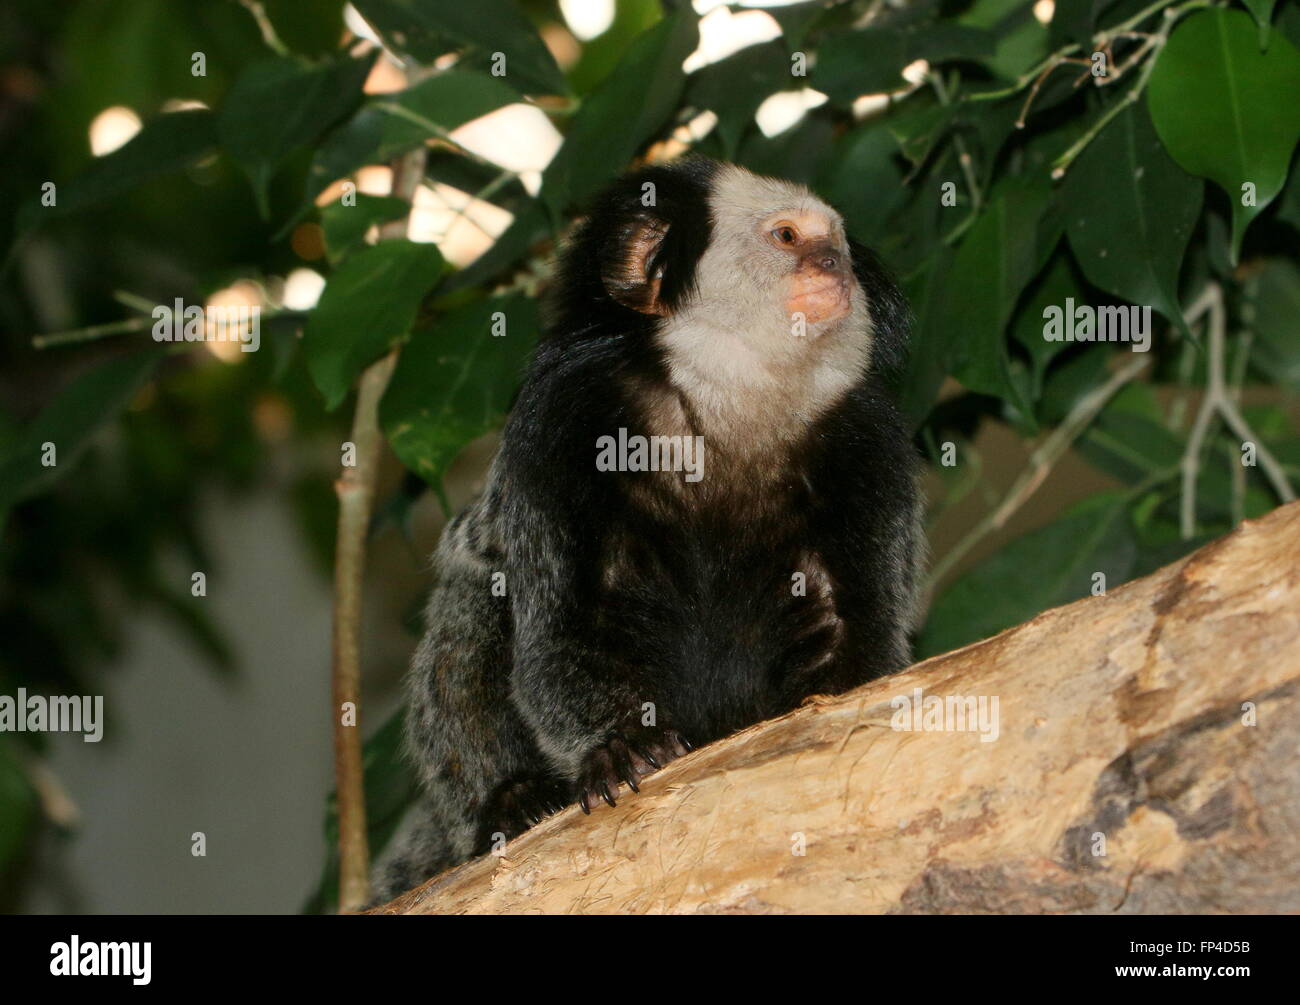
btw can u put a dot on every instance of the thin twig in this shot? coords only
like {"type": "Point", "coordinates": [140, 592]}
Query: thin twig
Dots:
{"type": "Point", "coordinates": [1052, 449]}
{"type": "Point", "coordinates": [1058, 57]}
{"type": "Point", "coordinates": [1062, 163]}
{"type": "Point", "coordinates": [482, 195]}
{"type": "Point", "coordinates": [402, 112]}
{"type": "Point", "coordinates": [129, 326]}
{"type": "Point", "coordinates": [265, 26]}
{"type": "Point", "coordinates": [89, 334]}
{"type": "Point", "coordinates": [1100, 40]}
{"type": "Point", "coordinates": [56, 802]}
{"type": "Point", "coordinates": [1136, 56]}
{"type": "Point", "coordinates": [1239, 363]}
{"type": "Point", "coordinates": [1218, 400]}
{"type": "Point", "coordinates": [963, 155]}
{"type": "Point", "coordinates": [135, 302]}
{"type": "Point", "coordinates": [1152, 45]}
{"type": "Point", "coordinates": [355, 489]}
{"type": "Point", "coordinates": [1041, 461]}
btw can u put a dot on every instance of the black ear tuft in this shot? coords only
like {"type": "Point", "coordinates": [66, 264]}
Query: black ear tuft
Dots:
{"type": "Point", "coordinates": [636, 251]}
{"type": "Point", "coordinates": [629, 266]}
{"type": "Point", "coordinates": [890, 317]}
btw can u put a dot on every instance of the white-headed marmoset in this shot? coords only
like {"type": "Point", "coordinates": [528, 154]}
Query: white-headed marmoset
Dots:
{"type": "Point", "coordinates": [755, 540]}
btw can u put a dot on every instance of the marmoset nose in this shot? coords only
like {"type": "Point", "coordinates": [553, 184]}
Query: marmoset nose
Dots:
{"type": "Point", "coordinates": [822, 259]}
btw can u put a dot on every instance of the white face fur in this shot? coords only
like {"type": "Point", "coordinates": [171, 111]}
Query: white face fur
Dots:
{"type": "Point", "coordinates": [734, 348]}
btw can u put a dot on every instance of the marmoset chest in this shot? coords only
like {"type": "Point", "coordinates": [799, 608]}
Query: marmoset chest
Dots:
{"type": "Point", "coordinates": [720, 601]}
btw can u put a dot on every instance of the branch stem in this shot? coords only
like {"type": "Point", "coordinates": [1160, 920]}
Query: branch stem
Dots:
{"type": "Point", "coordinates": [355, 489]}
{"type": "Point", "coordinates": [1041, 462]}
{"type": "Point", "coordinates": [1218, 401]}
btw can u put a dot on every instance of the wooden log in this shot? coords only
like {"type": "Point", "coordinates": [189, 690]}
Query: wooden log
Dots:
{"type": "Point", "coordinates": [1145, 760]}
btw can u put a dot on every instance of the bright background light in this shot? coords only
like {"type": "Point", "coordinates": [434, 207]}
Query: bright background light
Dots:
{"type": "Point", "coordinates": [587, 18]}
{"type": "Point", "coordinates": [519, 138]}
{"type": "Point", "coordinates": [112, 128]}
{"type": "Point", "coordinates": [302, 288]}
{"type": "Point", "coordinates": [723, 33]}
{"type": "Point", "coordinates": [785, 109]}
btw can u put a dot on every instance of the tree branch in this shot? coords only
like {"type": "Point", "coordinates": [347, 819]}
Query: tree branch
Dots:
{"type": "Point", "coordinates": [355, 489]}
{"type": "Point", "coordinates": [1045, 457]}
{"type": "Point", "coordinates": [1218, 400]}
{"type": "Point", "coordinates": [1144, 763]}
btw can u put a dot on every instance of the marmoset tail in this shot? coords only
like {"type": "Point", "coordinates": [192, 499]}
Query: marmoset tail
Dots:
{"type": "Point", "coordinates": [704, 509]}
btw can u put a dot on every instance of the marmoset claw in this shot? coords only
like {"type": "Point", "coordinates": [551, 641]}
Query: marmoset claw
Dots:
{"type": "Point", "coordinates": [627, 756]}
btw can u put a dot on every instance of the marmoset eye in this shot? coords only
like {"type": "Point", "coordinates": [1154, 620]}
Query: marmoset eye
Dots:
{"type": "Point", "coordinates": [785, 234]}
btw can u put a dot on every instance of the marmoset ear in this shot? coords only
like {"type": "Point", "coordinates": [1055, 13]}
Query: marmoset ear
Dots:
{"type": "Point", "coordinates": [631, 266]}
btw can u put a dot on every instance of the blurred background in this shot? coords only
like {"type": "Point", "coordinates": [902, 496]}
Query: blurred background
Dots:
{"type": "Point", "coordinates": [215, 460]}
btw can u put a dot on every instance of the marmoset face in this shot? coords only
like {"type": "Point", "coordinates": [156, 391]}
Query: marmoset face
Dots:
{"type": "Point", "coordinates": [778, 263]}
{"type": "Point", "coordinates": [749, 282]}
{"type": "Point", "coordinates": [778, 248]}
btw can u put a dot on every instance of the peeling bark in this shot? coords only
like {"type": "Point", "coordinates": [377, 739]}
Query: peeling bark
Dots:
{"type": "Point", "coordinates": [1123, 719]}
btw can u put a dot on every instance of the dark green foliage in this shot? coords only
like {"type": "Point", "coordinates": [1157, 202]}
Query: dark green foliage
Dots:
{"type": "Point", "coordinates": [1001, 185]}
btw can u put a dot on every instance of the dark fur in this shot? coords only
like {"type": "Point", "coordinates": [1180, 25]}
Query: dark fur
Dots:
{"type": "Point", "coordinates": [623, 591]}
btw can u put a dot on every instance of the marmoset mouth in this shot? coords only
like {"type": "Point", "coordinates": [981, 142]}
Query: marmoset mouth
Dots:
{"type": "Point", "coordinates": [827, 302]}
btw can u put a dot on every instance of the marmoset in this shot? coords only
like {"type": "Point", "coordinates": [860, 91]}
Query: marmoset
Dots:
{"type": "Point", "coordinates": [704, 509]}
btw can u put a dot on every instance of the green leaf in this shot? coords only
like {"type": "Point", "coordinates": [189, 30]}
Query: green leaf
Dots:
{"type": "Point", "coordinates": [865, 180]}
{"type": "Point", "coordinates": [1128, 441]}
{"type": "Point", "coordinates": [797, 154]}
{"type": "Point", "coordinates": [928, 362]}
{"type": "Point", "coordinates": [369, 303]}
{"type": "Point", "coordinates": [193, 617]}
{"type": "Point", "coordinates": [1225, 110]}
{"type": "Point", "coordinates": [280, 104]}
{"type": "Point", "coordinates": [427, 29]}
{"type": "Point", "coordinates": [69, 421]}
{"type": "Point", "coordinates": [1057, 284]}
{"type": "Point", "coordinates": [1262, 12]}
{"type": "Point", "coordinates": [1021, 40]}
{"type": "Point", "coordinates": [1160, 538]}
{"type": "Point", "coordinates": [796, 20]}
{"type": "Point", "coordinates": [1288, 23]}
{"type": "Point", "coordinates": [994, 263]}
{"type": "Point", "coordinates": [623, 113]}
{"type": "Point", "coordinates": [1075, 21]}
{"type": "Point", "coordinates": [165, 145]}
{"type": "Point", "coordinates": [1070, 380]}
{"type": "Point", "coordinates": [1288, 206]}
{"type": "Point", "coordinates": [390, 126]}
{"type": "Point", "coordinates": [1045, 568]}
{"type": "Point", "coordinates": [733, 89]}
{"type": "Point", "coordinates": [851, 64]}
{"type": "Point", "coordinates": [312, 27]}
{"type": "Point", "coordinates": [455, 381]}
{"type": "Point", "coordinates": [445, 101]}
{"type": "Point", "coordinates": [599, 55]}
{"type": "Point", "coordinates": [345, 226]}
{"type": "Point", "coordinates": [1130, 213]}
{"type": "Point", "coordinates": [1273, 305]}
{"type": "Point", "coordinates": [918, 130]}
